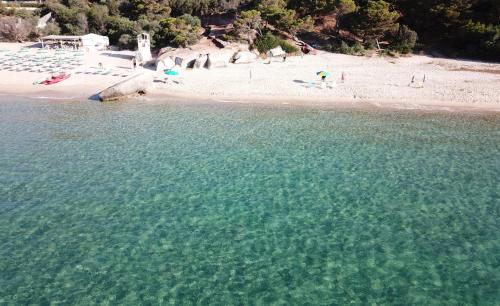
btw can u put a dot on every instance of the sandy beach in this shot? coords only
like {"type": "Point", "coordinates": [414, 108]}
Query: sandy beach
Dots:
{"type": "Point", "coordinates": [374, 81]}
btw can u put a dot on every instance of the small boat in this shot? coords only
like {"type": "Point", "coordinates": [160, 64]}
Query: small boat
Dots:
{"type": "Point", "coordinates": [56, 79]}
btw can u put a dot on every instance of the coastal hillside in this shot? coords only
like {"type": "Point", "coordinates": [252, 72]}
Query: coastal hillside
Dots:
{"type": "Point", "coordinates": [457, 28]}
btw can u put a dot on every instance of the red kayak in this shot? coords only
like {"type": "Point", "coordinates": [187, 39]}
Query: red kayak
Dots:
{"type": "Point", "coordinates": [56, 79]}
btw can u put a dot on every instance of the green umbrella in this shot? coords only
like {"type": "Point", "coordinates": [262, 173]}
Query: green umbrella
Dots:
{"type": "Point", "coordinates": [171, 72]}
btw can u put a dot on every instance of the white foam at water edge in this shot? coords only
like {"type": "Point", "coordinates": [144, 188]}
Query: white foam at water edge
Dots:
{"type": "Point", "coordinates": [54, 98]}
{"type": "Point", "coordinates": [228, 101]}
{"type": "Point", "coordinates": [38, 97]}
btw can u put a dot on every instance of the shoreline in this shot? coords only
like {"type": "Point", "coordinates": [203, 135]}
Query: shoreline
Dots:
{"type": "Point", "coordinates": [346, 103]}
{"type": "Point", "coordinates": [371, 82]}
{"type": "Point", "coordinates": [370, 105]}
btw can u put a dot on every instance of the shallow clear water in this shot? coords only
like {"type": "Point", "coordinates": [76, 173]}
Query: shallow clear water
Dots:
{"type": "Point", "coordinates": [244, 205]}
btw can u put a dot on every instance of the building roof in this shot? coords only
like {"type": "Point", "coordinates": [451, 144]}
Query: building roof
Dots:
{"type": "Point", "coordinates": [62, 37]}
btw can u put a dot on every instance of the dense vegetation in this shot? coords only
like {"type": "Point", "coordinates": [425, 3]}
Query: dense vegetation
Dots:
{"type": "Point", "coordinates": [454, 27]}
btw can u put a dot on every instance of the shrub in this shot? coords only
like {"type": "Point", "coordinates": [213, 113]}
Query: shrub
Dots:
{"type": "Point", "coordinates": [192, 21]}
{"type": "Point", "coordinates": [344, 48]}
{"type": "Point", "coordinates": [227, 37]}
{"type": "Point", "coordinates": [117, 26]}
{"type": "Point", "coordinates": [97, 18]}
{"type": "Point", "coordinates": [248, 25]}
{"type": "Point", "coordinates": [268, 41]}
{"type": "Point", "coordinates": [404, 40]}
{"type": "Point", "coordinates": [480, 39]}
{"type": "Point", "coordinates": [15, 29]}
{"type": "Point", "coordinates": [181, 31]}
{"type": "Point", "coordinates": [15, 9]}
{"type": "Point", "coordinates": [358, 49]}
{"type": "Point", "coordinates": [52, 28]}
{"type": "Point", "coordinates": [72, 20]}
{"type": "Point", "coordinates": [126, 41]}
{"type": "Point", "coordinates": [288, 48]}
{"type": "Point", "coordinates": [388, 52]}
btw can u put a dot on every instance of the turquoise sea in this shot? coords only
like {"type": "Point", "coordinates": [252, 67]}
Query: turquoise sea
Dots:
{"type": "Point", "coordinates": [221, 204]}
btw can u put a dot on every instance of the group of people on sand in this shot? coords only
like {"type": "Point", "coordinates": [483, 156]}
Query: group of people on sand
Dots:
{"type": "Point", "coordinates": [418, 84]}
{"type": "Point", "coordinates": [342, 77]}
{"type": "Point", "coordinates": [415, 84]}
{"type": "Point", "coordinates": [324, 76]}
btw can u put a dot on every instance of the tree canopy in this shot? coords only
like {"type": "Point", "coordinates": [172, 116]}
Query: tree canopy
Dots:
{"type": "Point", "coordinates": [458, 27]}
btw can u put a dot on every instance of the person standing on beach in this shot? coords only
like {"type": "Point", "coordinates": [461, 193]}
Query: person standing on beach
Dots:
{"type": "Point", "coordinates": [323, 83]}
{"type": "Point", "coordinates": [412, 81]}
{"type": "Point", "coordinates": [134, 63]}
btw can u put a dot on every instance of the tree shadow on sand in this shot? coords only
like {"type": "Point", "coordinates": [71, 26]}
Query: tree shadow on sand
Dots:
{"type": "Point", "coordinates": [122, 56]}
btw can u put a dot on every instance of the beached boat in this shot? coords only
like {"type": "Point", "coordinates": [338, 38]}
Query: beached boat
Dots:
{"type": "Point", "coordinates": [56, 79]}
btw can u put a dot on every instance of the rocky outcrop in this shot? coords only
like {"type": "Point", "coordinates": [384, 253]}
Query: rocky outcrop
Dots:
{"type": "Point", "coordinates": [220, 58]}
{"type": "Point", "coordinates": [201, 61]}
{"type": "Point", "coordinates": [244, 57]}
{"type": "Point", "coordinates": [195, 57]}
{"type": "Point", "coordinates": [278, 51]}
{"type": "Point", "coordinates": [220, 43]}
{"type": "Point", "coordinates": [137, 84]}
{"type": "Point", "coordinates": [166, 62]}
{"type": "Point", "coordinates": [182, 57]}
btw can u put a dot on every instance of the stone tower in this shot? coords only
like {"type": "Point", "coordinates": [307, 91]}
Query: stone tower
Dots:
{"type": "Point", "coordinates": [143, 48]}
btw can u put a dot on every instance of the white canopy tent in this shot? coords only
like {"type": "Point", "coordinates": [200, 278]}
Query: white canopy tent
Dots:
{"type": "Point", "coordinates": [94, 41]}
{"type": "Point", "coordinates": [89, 41]}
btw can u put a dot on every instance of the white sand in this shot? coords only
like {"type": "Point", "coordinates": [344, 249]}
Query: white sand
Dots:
{"type": "Point", "coordinates": [372, 81]}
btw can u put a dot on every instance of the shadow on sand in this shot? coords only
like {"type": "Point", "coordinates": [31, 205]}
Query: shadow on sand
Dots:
{"type": "Point", "coordinates": [122, 56]}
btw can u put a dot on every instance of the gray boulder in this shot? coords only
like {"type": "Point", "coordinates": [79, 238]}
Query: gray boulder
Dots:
{"type": "Point", "coordinates": [137, 84]}
{"type": "Point", "coordinates": [166, 50]}
{"type": "Point", "coordinates": [244, 57]}
{"type": "Point", "coordinates": [276, 52]}
{"type": "Point", "coordinates": [182, 57]}
{"type": "Point", "coordinates": [165, 62]}
{"type": "Point", "coordinates": [220, 58]}
{"type": "Point", "coordinates": [187, 58]}
{"type": "Point", "coordinates": [201, 61]}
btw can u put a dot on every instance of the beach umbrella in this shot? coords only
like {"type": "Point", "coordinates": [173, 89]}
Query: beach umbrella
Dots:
{"type": "Point", "coordinates": [171, 72]}
{"type": "Point", "coordinates": [323, 73]}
